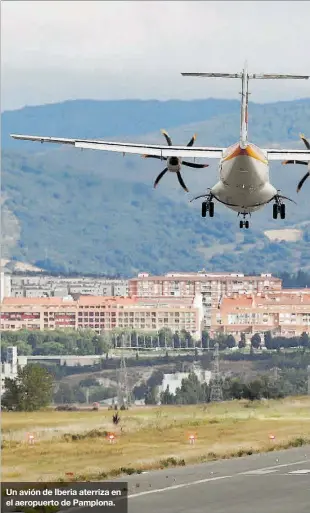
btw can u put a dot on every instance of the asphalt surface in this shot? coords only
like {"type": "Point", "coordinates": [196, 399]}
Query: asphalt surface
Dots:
{"type": "Point", "coordinates": [276, 482]}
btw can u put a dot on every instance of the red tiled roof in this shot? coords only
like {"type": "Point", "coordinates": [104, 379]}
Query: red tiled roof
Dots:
{"type": "Point", "coordinates": [105, 300]}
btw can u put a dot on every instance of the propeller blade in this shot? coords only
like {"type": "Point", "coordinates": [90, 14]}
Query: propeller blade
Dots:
{"type": "Point", "coordinates": [307, 144]}
{"type": "Point", "coordinates": [169, 142]}
{"type": "Point", "coordinates": [164, 171]}
{"type": "Point", "coordinates": [196, 166]}
{"type": "Point", "coordinates": [295, 162]}
{"type": "Point", "coordinates": [153, 157]}
{"type": "Point", "coordinates": [191, 142]}
{"type": "Point", "coordinates": [302, 181]}
{"type": "Point", "coordinates": [181, 181]}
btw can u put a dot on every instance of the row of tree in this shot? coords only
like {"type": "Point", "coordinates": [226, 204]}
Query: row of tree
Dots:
{"type": "Point", "coordinates": [298, 280]}
{"type": "Point", "coordinates": [33, 388]}
{"type": "Point", "coordinates": [88, 342]}
{"type": "Point", "coordinates": [56, 342]}
{"type": "Point", "coordinates": [192, 391]}
{"type": "Point", "coordinates": [81, 393]}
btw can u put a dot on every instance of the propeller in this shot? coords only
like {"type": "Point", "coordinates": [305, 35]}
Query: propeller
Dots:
{"type": "Point", "coordinates": [302, 162]}
{"type": "Point", "coordinates": [174, 163]}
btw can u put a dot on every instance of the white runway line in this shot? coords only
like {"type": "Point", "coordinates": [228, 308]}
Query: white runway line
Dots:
{"type": "Point", "coordinates": [207, 480]}
{"type": "Point", "coordinates": [303, 471]}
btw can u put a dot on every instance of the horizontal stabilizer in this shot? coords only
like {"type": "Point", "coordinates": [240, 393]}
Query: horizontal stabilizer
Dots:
{"type": "Point", "coordinates": [271, 76]}
{"type": "Point", "coordinates": [213, 75]}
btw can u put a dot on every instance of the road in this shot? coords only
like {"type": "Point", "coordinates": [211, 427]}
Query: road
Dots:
{"type": "Point", "coordinates": [276, 482]}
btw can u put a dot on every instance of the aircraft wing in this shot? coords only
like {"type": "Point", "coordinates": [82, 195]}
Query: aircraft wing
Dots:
{"type": "Point", "coordinates": [282, 154]}
{"type": "Point", "coordinates": [139, 149]}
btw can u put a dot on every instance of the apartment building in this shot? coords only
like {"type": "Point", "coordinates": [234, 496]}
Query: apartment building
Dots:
{"type": "Point", "coordinates": [50, 286]}
{"type": "Point", "coordinates": [5, 285]}
{"type": "Point", "coordinates": [283, 313]}
{"type": "Point", "coordinates": [212, 286]}
{"type": "Point", "coordinates": [103, 313]}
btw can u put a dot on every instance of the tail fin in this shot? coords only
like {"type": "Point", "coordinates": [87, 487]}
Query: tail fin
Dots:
{"type": "Point", "coordinates": [244, 98]}
{"type": "Point", "coordinates": [245, 77]}
{"type": "Point", "coordinates": [244, 108]}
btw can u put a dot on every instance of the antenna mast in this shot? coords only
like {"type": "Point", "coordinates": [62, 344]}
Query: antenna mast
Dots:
{"type": "Point", "coordinates": [123, 393]}
{"type": "Point", "coordinates": [216, 394]}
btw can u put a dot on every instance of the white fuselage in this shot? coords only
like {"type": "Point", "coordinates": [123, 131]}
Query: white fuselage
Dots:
{"type": "Point", "coordinates": [244, 179]}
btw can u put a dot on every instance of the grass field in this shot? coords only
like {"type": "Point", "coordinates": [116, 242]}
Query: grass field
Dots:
{"type": "Point", "coordinates": [150, 437]}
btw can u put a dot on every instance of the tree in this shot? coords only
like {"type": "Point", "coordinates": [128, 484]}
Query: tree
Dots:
{"type": "Point", "coordinates": [231, 342]}
{"type": "Point", "coordinates": [191, 391]}
{"type": "Point", "coordinates": [89, 382]}
{"type": "Point", "coordinates": [152, 396]}
{"type": "Point", "coordinates": [140, 391]}
{"type": "Point", "coordinates": [64, 394]}
{"type": "Point", "coordinates": [255, 341]}
{"type": "Point", "coordinates": [243, 339]}
{"type": "Point", "coordinates": [31, 390]}
{"type": "Point", "coordinates": [155, 379]}
{"type": "Point", "coordinates": [167, 397]}
{"type": "Point", "coordinates": [235, 390]}
{"type": "Point", "coordinates": [205, 339]}
{"type": "Point", "coordinates": [12, 397]}
{"type": "Point", "coordinates": [221, 339]}
{"type": "Point", "coordinates": [242, 342]}
{"type": "Point", "coordinates": [165, 337]}
{"type": "Point", "coordinates": [100, 345]}
{"type": "Point", "coordinates": [176, 340]}
{"type": "Point", "coordinates": [304, 340]}
{"type": "Point", "coordinates": [253, 390]}
{"type": "Point", "coordinates": [268, 340]}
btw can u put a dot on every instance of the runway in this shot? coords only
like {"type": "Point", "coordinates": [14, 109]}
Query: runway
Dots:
{"type": "Point", "coordinates": [277, 482]}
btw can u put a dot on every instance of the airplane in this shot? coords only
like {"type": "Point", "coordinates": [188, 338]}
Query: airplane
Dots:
{"type": "Point", "coordinates": [244, 185]}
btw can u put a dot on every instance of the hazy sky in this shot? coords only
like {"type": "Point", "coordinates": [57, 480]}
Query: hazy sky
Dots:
{"type": "Point", "coordinates": [56, 50]}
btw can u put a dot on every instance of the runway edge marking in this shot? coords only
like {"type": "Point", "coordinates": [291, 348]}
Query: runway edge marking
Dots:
{"type": "Point", "coordinates": [175, 487]}
{"type": "Point", "coordinates": [209, 479]}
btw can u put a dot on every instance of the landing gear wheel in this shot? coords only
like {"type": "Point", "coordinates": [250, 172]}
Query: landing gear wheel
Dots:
{"type": "Point", "coordinates": [275, 211]}
{"type": "Point", "coordinates": [241, 224]}
{"type": "Point", "coordinates": [247, 224]}
{"type": "Point", "coordinates": [282, 211]}
{"type": "Point", "coordinates": [204, 209]}
{"type": "Point", "coordinates": [211, 209]}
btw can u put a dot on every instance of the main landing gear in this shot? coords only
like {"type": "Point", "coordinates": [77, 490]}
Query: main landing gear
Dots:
{"type": "Point", "coordinates": [244, 223]}
{"type": "Point", "coordinates": [207, 206]}
{"type": "Point", "coordinates": [278, 208]}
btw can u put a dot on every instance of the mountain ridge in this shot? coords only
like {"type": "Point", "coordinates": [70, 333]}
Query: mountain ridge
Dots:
{"type": "Point", "coordinates": [97, 211]}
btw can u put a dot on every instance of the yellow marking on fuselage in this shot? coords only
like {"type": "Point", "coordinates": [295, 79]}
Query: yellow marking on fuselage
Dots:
{"type": "Point", "coordinates": [249, 151]}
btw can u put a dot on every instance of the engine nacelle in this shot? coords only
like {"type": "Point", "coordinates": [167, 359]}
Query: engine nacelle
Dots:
{"type": "Point", "coordinates": [174, 164]}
